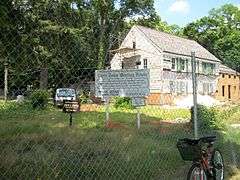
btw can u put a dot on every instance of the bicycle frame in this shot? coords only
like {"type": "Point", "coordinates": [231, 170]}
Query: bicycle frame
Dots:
{"type": "Point", "coordinates": [204, 162]}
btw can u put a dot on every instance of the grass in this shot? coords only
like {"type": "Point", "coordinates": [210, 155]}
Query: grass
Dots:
{"type": "Point", "coordinates": [148, 113]}
{"type": "Point", "coordinates": [39, 144]}
{"type": "Point", "coordinates": [231, 115]}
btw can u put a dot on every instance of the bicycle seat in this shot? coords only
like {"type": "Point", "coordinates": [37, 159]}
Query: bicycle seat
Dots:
{"type": "Point", "coordinates": [208, 139]}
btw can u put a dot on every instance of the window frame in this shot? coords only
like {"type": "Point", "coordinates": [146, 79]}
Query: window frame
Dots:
{"type": "Point", "coordinates": [208, 68]}
{"type": "Point", "coordinates": [145, 63]}
{"type": "Point", "coordinates": [134, 44]}
{"type": "Point", "coordinates": [173, 67]}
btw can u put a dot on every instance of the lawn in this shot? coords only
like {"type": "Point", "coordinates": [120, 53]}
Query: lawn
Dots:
{"type": "Point", "coordinates": [39, 144]}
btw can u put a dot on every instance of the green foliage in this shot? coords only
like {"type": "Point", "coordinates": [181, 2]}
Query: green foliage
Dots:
{"type": "Point", "coordinates": [219, 33]}
{"type": "Point", "coordinates": [123, 103]}
{"type": "Point", "coordinates": [154, 21]}
{"type": "Point", "coordinates": [209, 118]}
{"type": "Point", "coordinates": [39, 99]}
{"type": "Point", "coordinates": [83, 98]}
{"type": "Point", "coordinates": [61, 38]}
{"type": "Point", "coordinates": [230, 115]}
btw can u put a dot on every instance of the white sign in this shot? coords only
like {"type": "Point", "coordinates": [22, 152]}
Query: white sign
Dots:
{"type": "Point", "coordinates": [138, 101]}
{"type": "Point", "coordinates": [124, 82]}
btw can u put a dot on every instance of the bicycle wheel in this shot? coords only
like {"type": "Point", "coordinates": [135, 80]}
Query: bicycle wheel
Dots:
{"type": "Point", "coordinates": [196, 173]}
{"type": "Point", "coordinates": [218, 165]}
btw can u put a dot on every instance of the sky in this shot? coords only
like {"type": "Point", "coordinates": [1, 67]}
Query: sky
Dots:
{"type": "Point", "coordinates": [182, 12]}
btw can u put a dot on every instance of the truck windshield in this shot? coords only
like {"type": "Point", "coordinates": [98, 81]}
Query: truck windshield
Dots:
{"type": "Point", "coordinates": [66, 93]}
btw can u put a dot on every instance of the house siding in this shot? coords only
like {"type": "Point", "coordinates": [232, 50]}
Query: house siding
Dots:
{"type": "Point", "coordinates": [144, 50]}
{"type": "Point", "coordinates": [166, 83]}
{"type": "Point", "coordinates": [228, 80]}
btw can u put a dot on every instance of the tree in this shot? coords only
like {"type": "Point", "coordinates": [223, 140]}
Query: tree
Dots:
{"type": "Point", "coordinates": [219, 32]}
{"type": "Point", "coordinates": [154, 21]}
{"type": "Point", "coordinates": [110, 16]}
{"type": "Point", "coordinates": [65, 41]}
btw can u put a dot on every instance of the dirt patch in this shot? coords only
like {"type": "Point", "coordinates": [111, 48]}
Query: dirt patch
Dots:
{"type": "Point", "coordinates": [166, 127]}
{"type": "Point", "coordinates": [89, 107]}
{"type": "Point", "coordinates": [115, 125]}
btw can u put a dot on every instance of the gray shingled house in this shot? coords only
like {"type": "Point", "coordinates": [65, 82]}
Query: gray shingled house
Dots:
{"type": "Point", "coordinates": [168, 58]}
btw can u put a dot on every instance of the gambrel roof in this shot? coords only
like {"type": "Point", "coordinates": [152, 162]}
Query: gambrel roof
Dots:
{"type": "Point", "coordinates": [174, 44]}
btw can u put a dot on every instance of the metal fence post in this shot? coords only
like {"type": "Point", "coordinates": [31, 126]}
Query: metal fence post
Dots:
{"type": "Point", "coordinates": [5, 80]}
{"type": "Point", "coordinates": [138, 118]}
{"type": "Point", "coordinates": [194, 83]}
{"type": "Point", "coordinates": [107, 111]}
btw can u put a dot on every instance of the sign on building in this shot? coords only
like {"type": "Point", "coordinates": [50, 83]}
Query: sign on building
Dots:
{"type": "Point", "coordinates": [124, 82]}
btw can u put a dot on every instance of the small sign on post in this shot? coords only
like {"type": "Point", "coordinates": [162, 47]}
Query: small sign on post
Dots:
{"type": "Point", "coordinates": [138, 101]}
{"type": "Point", "coordinates": [70, 107]}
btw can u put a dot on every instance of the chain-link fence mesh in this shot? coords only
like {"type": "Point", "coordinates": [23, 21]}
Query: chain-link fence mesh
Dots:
{"type": "Point", "coordinates": [50, 45]}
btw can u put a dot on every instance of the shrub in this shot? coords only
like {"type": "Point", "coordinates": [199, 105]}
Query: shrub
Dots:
{"type": "Point", "coordinates": [39, 99]}
{"type": "Point", "coordinates": [208, 118]}
{"type": "Point", "coordinates": [84, 98]}
{"type": "Point", "coordinates": [123, 103]}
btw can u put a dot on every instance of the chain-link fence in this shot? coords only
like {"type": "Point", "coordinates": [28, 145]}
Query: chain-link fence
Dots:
{"type": "Point", "coordinates": [51, 45]}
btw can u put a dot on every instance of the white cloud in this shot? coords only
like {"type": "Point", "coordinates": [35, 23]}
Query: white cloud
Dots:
{"type": "Point", "coordinates": [180, 6]}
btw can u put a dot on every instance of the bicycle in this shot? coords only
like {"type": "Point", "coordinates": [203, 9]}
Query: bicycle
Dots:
{"type": "Point", "coordinates": [207, 161]}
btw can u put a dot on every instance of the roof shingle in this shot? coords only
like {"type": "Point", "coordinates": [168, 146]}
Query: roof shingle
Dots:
{"type": "Point", "coordinates": [174, 44]}
{"type": "Point", "coordinates": [227, 70]}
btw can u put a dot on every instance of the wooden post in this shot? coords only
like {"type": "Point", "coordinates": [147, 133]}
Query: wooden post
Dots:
{"type": "Point", "coordinates": [70, 120]}
{"type": "Point", "coordinates": [5, 80]}
{"type": "Point", "coordinates": [194, 83]}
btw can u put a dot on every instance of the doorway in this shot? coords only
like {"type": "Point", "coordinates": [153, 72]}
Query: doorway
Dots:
{"type": "Point", "coordinates": [229, 91]}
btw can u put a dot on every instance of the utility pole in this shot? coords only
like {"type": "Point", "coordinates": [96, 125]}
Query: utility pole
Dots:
{"type": "Point", "coordinates": [194, 83]}
{"type": "Point", "coordinates": [5, 80]}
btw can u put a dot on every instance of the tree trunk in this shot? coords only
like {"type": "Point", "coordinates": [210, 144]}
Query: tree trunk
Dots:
{"type": "Point", "coordinates": [44, 78]}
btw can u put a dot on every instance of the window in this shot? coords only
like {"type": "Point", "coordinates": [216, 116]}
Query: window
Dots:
{"type": "Point", "coordinates": [205, 88]}
{"type": "Point", "coordinates": [229, 76]}
{"type": "Point", "coordinates": [165, 69]}
{"type": "Point", "coordinates": [180, 87]}
{"type": "Point", "coordinates": [234, 77]}
{"type": "Point", "coordinates": [223, 75]}
{"type": "Point", "coordinates": [208, 68]}
{"type": "Point", "coordinates": [145, 63]}
{"type": "Point", "coordinates": [197, 68]}
{"type": "Point", "coordinates": [122, 65]}
{"type": "Point", "coordinates": [187, 65]}
{"type": "Point", "coordinates": [208, 88]}
{"type": "Point", "coordinates": [166, 60]}
{"type": "Point", "coordinates": [134, 45]}
{"type": "Point", "coordinates": [180, 64]}
{"type": "Point", "coordinates": [172, 87]}
{"type": "Point", "coordinates": [173, 63]}
{"type": "Point", "coordinates": [223, 91]}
